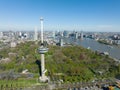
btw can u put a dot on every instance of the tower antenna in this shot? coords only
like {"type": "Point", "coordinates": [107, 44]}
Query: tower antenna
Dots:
{"type": "Point", "coordinates": [41, 23]}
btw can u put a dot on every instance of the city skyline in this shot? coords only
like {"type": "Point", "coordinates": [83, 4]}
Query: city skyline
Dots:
{"type": "Point", "coordinates": [85, 15]}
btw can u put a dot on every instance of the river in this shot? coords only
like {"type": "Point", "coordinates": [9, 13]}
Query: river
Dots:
{"type": "Point", "coordinates": [113, 51]}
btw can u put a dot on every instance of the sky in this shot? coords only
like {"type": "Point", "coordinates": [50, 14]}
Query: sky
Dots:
{"type": "Point", "coordinates": [85, 15]}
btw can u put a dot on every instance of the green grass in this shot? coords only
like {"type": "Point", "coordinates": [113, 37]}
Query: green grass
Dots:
{"type": "Point", "coordinates": [21, 82]}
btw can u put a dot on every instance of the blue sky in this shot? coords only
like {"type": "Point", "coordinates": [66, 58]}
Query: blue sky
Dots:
{"type": "Point", "coordinates": [85, 15]}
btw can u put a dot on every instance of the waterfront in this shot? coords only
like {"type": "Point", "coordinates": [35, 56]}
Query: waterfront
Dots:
{"type": "Point", "coordinates": [113, 51]}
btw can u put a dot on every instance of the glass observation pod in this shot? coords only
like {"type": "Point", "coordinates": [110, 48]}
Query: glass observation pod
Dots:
{"type": "Point", "coordinates": [43, 50]}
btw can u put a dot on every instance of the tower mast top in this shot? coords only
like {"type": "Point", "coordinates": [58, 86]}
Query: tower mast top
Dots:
{"type": "Point", "coordinates": [41, 23]}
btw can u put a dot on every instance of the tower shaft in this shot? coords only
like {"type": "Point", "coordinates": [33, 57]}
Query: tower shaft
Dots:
{"type": "Point", "coordinates": [42, 65]}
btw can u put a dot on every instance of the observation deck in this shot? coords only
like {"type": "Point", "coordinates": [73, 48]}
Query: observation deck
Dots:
{"type": "Point", "coordinates": [42, 50]}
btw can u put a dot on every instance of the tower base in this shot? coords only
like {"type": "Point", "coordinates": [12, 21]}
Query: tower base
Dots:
{"type": "Point", "coordinates": [44, 79]}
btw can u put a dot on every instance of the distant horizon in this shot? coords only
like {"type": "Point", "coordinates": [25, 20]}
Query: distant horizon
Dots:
{"type": "Point", "coordinates": [86, 15]}
{"type": "Point", "coordinates": [32, 30]}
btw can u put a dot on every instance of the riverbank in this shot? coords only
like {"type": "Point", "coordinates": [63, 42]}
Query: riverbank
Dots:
{"type": "Point", "coordinates": [106, 43]}
{"type": "Point", "coordinates": [96, 46]}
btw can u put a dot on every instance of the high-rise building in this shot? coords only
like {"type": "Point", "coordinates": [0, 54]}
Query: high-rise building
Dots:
{"type": "Point", "coordinates": [61, 42]}
{"type": "Point", "coordinates": [36, 34]}
{"type": "Point", "coordinates": [81, 35]}
{"type": "Point", "coordinates": [1, 34]}
{"type": "Point", "coordinates": [65, 34]}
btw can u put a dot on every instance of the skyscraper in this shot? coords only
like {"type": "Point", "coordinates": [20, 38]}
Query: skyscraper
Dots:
{"type": "Point", "coordinates": [36, 34]}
